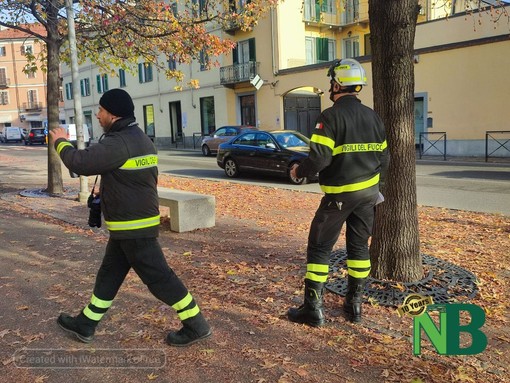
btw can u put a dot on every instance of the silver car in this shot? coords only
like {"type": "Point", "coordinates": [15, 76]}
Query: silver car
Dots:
{"type": "Point", "coordinates": [210, 143]}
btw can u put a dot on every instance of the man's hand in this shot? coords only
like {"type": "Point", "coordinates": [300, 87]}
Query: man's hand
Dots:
{"type": "Point", "coordinates": [293, 170]}
{"type": "Point", "coordinates": [55, 134]}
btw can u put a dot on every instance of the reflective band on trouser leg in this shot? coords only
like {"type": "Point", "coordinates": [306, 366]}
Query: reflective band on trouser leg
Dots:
{"type": "Point", "coordinates": [358, 268]}
{"type": "Point", "coordinates": [96, 308]}
{"type": "Point", "coordinates": [186, 308]}
{"type": "Point", "coordinates": [317, 272]}
{"type": "Point", "coordinates": [133, 225]}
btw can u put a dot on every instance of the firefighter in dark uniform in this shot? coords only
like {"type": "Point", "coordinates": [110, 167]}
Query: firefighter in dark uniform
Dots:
{"type": "Point", "coordinates": [348, 150]}
{"type": "Point", "coordinates": [126, 159]}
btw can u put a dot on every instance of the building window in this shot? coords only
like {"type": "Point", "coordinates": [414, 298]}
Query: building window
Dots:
{"type": "Point", "coordinates": [85, 87]}
{"type": "Point", "coordinates": [319, 50]}
{"type": "Point", "coordinates": [144, 72]}
{"type": "Point", "coordinates": [368, 45]}
{"type": "Point", "coordinates": [4, 98]}
{"type": "Point", "coordinates": [3, 51]}
{"type": "Point", "coordinates": [148, 119]}
{"type": "Point", "coordinates": [3, 77]}
{"type": "Point", "coordinates": [172, 64]}
{"type": "Point", "coordinates": [32, 98]}
{"type": "Point", "coordinates": [31, 74]}
{"type": "Point", "coordinates": [351, 11]}
{"type": "Point", "coordinates": [102, 83]}
{"type": "Point", "coordinates": [26, 49]}
{"type": "Point", "coordinates": [244, 52]}
{"type": "Point", "coordinates": [204, 60]}
{"type": "Point", "coordinates": [122, 78]}
{"type": "Point", "coordinates": [351, 47]}
{"type": "Point", "coordinates": [207, 116]}
{"type": "Point", "coordinates": [69, 91]}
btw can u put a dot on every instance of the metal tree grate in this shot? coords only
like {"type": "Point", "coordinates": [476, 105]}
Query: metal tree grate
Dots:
{"type": "Point", "coordinates": [42, 193]}
{"type": "Point", "coordinates": [443, 281]}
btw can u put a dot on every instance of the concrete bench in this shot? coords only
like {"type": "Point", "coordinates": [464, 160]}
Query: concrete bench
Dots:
{"type": "Point", "coordinates": [188, 211]}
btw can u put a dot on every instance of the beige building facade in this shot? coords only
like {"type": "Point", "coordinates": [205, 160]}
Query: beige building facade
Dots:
{"type": "Point", "coordinates": [275, 78]}
{"type": "Point", "coordinates": [22, 95]}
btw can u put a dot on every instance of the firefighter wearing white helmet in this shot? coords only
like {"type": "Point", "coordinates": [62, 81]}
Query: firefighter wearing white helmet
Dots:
{"type": "Point", "coordinates": [348, 149]}
{"type": "Point", "coordinates": [349, 74]}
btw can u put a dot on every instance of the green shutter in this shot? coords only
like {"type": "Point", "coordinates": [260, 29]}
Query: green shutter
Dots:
{"type": "Point", "coordinates": [251, 44]}
{"type": "Point", "coordinates": [106, 87]}
{"type": "Point", "coordinates": [99, 85]}
{"type": "Point", "coordinates": [235, 53]}
{"type": "Point", "coordinates": [149, 72]}
{"type": "Point", "coordinates": [140, 72]}
{"type": "Point", "coordinates": [321, 49]}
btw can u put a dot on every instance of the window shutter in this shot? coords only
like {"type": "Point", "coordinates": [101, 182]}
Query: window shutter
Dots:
{"type": "Point", "coordinates": [149, 72]}
{"type": "Point", "coordinates": [106, 87]}
{"type": "Point", "coordinates": [235, 53]}
{"type": "Point", "coordinates": [251, 44]}
{"type": "Point", "coordinates": [99, 85]}
{"type": "Point", "coordinates": [140, 72]}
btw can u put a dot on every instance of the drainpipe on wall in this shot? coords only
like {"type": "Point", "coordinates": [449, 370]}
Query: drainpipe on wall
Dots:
{"type": "Point", "coordinates": [273, 42]}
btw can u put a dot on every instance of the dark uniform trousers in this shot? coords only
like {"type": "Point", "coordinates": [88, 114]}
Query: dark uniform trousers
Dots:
{"type": "Point", "coordinates": [325, 229]}
{"type": "Point", "coordinates": [146, 258]}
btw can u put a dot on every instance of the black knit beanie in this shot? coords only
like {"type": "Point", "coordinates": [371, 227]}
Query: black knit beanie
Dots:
{"type": "Point", "coordinates": [118, 102]}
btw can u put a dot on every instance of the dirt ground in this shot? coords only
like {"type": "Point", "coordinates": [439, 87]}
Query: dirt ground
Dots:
{"type": "Point", "coordinates": [245, 273]}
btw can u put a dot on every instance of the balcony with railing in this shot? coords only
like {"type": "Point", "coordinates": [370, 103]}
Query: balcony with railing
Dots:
{"type": "Point", "coordinates": [238, 73]}
{"type": "Point", "coordinates": [32, 106]}
{"type": "Point", "coordinates": [4, 82]}
{"type": "Point", "coordinates": [327, 13]}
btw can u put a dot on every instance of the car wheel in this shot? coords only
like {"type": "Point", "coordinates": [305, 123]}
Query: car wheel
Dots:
{"type": "Point", "coordinates": [206, 151]}
{"type": "Point", "coordinates": [231, 168]}
{"type": "Point", "coordinates": [295, 180]}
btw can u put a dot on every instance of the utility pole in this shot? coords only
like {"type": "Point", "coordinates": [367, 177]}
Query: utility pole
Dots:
{"type": "Point", "coordinates": [78, 114]}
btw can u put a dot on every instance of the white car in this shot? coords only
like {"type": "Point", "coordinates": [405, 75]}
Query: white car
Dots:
{"type": "Point", "coordinates": [11, 134]}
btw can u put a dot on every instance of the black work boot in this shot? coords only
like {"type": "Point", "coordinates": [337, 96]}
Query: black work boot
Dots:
{"type": "Point", "coordinates": [354, 298]}
{"type": "Point", "coordinates": [311, 311]}
{"type": "Point", "coordinates": [193, 330]}
{"type": "Point", "coordinates": [80, 326]}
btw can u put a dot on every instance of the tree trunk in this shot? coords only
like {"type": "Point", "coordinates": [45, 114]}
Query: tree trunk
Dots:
{"type": "Point", "coordinates": [55, 183]}
{"type": "Point", "coordinates": [395, 248]}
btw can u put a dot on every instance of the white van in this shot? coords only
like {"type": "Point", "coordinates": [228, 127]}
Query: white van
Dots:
{"type": "Point", "coordinates": [11, 134]}
{"type": "Point", "coordinates": [72, 136]}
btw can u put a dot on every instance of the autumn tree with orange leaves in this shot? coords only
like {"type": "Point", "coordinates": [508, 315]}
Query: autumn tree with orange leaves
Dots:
{"type": "Point", "coordinates": [121, 33]}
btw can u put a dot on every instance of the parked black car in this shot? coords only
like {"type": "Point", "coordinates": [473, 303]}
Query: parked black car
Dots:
{"type": "Point", "coordinates": [35, 136]}
{"type": "Point", "coordinates": [271, 153]}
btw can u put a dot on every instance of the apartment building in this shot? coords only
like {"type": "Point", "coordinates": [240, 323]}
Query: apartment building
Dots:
{"type": "Point", "coordinates": [22, 95]}
{"type": "Point", "coordinates": [275, 77]}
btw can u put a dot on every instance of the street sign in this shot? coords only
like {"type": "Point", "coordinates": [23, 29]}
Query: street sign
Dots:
{"type": "Point", "coordinates": [257, 82]}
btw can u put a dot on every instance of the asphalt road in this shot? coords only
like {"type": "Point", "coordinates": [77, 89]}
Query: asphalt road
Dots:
{"type": "Point", "coordinates": [472, 186]}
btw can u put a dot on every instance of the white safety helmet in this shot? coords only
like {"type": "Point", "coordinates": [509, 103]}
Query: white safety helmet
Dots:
{"type": "Point", "coordinates": [347, 72]}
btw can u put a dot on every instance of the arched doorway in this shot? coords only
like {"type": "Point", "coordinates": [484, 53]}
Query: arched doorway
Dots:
{"type": "Point", "coordinates": [301, 108]}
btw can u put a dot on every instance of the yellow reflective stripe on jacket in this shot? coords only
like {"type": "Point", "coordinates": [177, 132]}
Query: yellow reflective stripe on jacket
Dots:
{"type": "Point", "coordinates": [183, 303]}
{"type": "Point", "coordinates": [312, 270]}
{"type": "Point", "coordinates": [351, 187]}
{"type": "Point", "coordinates": [141, 162]}
{"type": "Point", "coordinates": [189, 313]}
{"type": "Point", "coordinates": [360, 147]}
{"type": "Point", "coordinates": [62, 145]}
{"type": "Point", "coordinates": [322, 140]}
{"type": "Point", "coordinates": [100, 303]}
{"type": "Point", "coordinates": [133, 225]}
